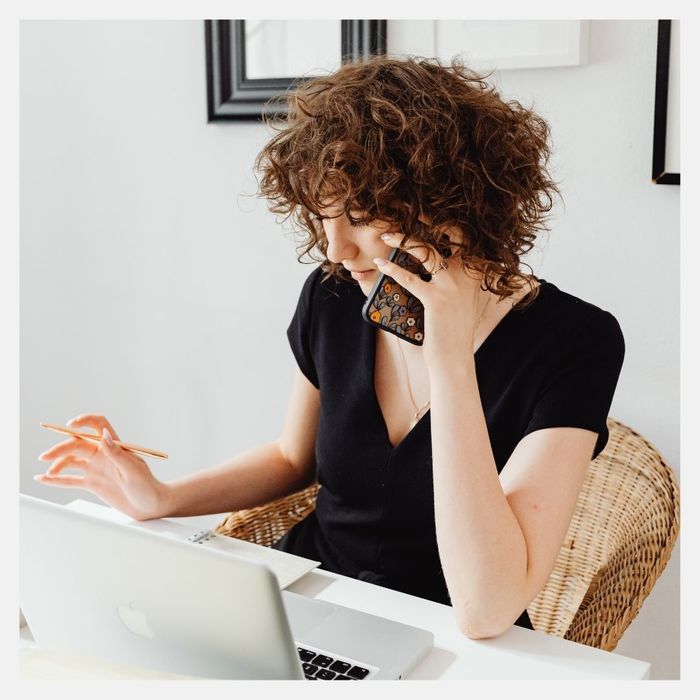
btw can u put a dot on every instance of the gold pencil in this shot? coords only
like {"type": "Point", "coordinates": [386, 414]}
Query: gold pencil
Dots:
{"type": "Point", "coordinates": [97, 438]}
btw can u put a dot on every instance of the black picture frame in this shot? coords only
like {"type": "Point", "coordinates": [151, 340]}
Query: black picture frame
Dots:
{"type": "Point", "coordinates": [663, 60]}
{"type": "Point", "coordinates": [231, 96]}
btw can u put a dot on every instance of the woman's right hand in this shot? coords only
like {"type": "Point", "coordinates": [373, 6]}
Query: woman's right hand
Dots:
{"type": "Point", "coordinates": [119, 477]}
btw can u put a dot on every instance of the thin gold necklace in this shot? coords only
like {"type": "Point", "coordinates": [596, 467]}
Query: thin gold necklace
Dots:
{"type": "Point", "coordinates": [419, 411]}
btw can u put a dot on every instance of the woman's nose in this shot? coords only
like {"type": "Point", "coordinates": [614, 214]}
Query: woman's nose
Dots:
{"type": "Point", "coordinates": [340, 245]}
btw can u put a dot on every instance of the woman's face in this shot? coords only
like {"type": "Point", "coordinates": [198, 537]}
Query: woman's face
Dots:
{"type": "Point", "coordinates": [355, 246]}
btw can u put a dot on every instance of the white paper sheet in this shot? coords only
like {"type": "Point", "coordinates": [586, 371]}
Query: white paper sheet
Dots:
{"type": "Point", "coordinates": [286, 567]}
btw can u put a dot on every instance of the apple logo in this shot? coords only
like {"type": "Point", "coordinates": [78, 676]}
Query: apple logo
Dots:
{"type": "Point", "coordinates": [134, 620]}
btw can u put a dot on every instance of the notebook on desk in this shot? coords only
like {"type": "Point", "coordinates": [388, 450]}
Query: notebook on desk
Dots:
{"type": "Point", "coordinates": [130, 595]}
{"type": "Point", "coordinates": [286, 567]}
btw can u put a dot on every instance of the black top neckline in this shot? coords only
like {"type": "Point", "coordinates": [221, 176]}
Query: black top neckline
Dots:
{"type": "Point", "coordinates": [371, 339]}
{"type": "Point", "coordinates": [512, 313]}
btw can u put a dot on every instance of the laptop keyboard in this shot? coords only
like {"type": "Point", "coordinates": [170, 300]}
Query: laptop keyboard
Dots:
{"type": "Point", "coordinates": [320, 667]}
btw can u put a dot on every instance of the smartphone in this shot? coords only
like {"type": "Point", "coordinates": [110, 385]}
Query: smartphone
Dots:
{"type": "Point", "coordinates": [393, 308]}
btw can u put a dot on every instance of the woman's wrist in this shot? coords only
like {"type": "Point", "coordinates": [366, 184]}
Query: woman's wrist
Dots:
{"type": "Point", "coordinates": [447, 373]}
{"type": "Point", "coordinates": [166, 500]}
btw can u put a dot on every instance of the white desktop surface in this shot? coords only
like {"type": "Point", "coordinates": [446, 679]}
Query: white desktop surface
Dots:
{"type": "Point", "coordinates": [518, 654]}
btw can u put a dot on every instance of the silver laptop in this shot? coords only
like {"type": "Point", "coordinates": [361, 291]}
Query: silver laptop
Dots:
{"type": "Point", "coordinates": [106, 590]}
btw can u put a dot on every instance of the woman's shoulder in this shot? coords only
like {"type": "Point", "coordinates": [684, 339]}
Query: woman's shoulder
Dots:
{"type": "Point", "coordinates": [327, 302]}
{"type": "Point", "coordinates": [569, 315]}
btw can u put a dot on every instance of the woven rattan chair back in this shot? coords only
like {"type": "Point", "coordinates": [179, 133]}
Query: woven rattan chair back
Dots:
{"type": "Point", "coordinates": [618, 543]}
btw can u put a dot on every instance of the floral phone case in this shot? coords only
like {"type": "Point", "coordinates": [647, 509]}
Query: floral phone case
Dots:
{"type": "Point", "coordinates": [393, 308]}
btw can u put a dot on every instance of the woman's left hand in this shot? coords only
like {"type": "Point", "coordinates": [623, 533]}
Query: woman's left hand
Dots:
{"type": "Point", "coordinates": [452, 299]}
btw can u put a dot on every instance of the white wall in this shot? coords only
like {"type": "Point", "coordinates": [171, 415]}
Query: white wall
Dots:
{"type": "Point", "coordinates": [156, 289]}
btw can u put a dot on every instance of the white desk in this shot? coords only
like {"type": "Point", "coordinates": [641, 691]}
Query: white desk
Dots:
{"type": "Point", "coordinates": [517, 654]}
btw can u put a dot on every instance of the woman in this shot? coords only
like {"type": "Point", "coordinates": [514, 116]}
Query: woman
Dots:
{"type": "Point", "coordinates": [448, 470]}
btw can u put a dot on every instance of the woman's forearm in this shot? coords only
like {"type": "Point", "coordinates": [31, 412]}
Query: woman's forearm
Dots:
{"type": "Point", "coordinates": [481, 545]}
{"type": "Point", "coordinates": [256, 476]}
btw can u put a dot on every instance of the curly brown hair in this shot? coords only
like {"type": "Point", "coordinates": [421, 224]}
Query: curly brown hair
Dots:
{"type": "Point", "coordinates": [397, 139]}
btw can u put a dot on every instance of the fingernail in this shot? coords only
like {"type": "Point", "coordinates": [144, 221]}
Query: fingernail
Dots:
{"type": "Point", "coordinates": [37, 477]}
{"type": "Point", "coordinates": [107, 437]}
{"type": "Point", "coordinates": [41, 456]}
{"type": "Point", "coordinates": [385, 236]}
{"type": "Point", "coordinates": [380, 262]}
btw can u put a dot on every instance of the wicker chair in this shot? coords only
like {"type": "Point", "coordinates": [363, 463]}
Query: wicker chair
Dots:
{"type": "Point", "coordinates": [618, 543]}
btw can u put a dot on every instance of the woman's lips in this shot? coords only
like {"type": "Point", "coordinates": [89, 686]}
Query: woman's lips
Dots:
{"type": "Point", "coordinates": [362, 275]}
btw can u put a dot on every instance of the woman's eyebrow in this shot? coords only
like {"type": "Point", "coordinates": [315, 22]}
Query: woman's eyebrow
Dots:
{"type": "Point", "coordinates": [328, 213]}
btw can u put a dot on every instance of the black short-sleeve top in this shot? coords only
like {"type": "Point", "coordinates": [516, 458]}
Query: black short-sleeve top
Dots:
{"type": "Point", "coordinates": [553, 363]}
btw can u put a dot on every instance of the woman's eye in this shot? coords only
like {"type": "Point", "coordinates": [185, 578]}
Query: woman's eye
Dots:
{"type": "Point", "coordinates": [357, 218]}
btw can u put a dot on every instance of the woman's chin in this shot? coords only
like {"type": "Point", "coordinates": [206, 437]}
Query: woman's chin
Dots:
{"type": "Point", "coordinates": [366, 285]}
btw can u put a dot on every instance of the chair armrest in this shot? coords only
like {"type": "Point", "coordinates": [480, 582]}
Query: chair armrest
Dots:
{"type": "Point", "coordinates": [267, 523]}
